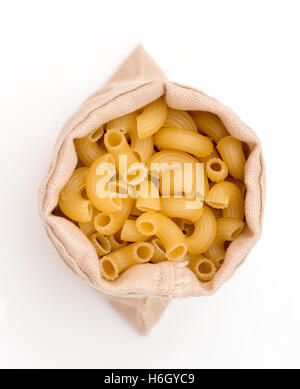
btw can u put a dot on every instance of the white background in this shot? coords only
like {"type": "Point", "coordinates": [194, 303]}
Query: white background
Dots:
{"type": "Point", "coordinates": [53, 55]}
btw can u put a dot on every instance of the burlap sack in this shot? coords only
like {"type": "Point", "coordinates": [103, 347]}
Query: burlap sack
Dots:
{"type": "Point", "coordinates": [143, 291]}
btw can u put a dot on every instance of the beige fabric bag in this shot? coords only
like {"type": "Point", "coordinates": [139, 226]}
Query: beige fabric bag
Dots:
{"type": "Point", "coordinates": [143, 291]}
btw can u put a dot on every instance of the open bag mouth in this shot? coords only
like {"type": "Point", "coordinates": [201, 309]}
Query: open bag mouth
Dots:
{"type": "Point", "coordinates": [136, 84]}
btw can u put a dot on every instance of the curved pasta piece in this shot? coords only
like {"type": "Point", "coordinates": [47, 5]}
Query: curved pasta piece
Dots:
{"type": "Point", "coordinates": [152, 118]}
{"type": "Point", "coordinates": [232, 153]}
{"type": "Point", "coordinates": [179, 208]}
{"type": "Point", "coordinates": [168, 232]}
{"type": "Point", "coordinates": [97, 185]}
{"type": "Point", "coordinates": [204, 268]}
{"type": "Point", "coordinates": [159, 254]}
{"type": "Point", "coordinates": [87, 147]}
{"type": "Point", "coordinates": [227, 196]}
{"type": "Point", "coordinates": [180, 119]}
{"type": "Point", "coordinates": [228, 229]}
{"type": "Point", "coordinates": [183, 140]}
{"type": "Point", "coordinates": [205, 230]}
{"type": "Point", "coordinates": [210, 124]}
{"type": "Point", "coordinates": [130, 233]}
{"type": "Point", "coordinates": [142, 148]}
{"type": "Point", "coordinates": [71, 202]}
{"type": "Point", "coordinates": [101, 243]}
{"type": "Point", "coordinates": [216, 170]}
{"type": "Point", "coordinates": [116, 262]}
{"type": "Point", "coordinates": [110, 223]}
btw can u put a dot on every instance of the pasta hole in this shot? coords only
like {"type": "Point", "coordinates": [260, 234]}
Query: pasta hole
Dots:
{"type": "Point", "coordinates": [205, 267]}
{"type": "Point", "coordinates": [177, 252]}
{"type": "Point", "coordinates": [83, 193]}
{"type": "Point", "coordinates": [103, 220]}
{"type": "Point", "coordinates": [147, 228]}
{"type": "Point", "coordinates": [220, 262]}
{"type": "Point", "coordinates": [226, 244]}
{"type": "Point", "coordinates": [114, 139]}
{"type": "Point", "coordinates": [109, 269]}
{"type": "Point", "coordinates": [144, 252]}
{"type": "Point", "coordinates": [216, 167]}
{"type": "Point", "coordinates": [188, 229]}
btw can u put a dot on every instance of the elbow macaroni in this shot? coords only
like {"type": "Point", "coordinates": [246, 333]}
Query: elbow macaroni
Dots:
{"type": "Point", "coordinates": [168, 232]}
{"type": "Point", "coordinates": [71, 201]}
{"type": "Point", "coordinates": [87, 147]}
{"type": "Point", "coordinates": [154, 189]}
{"type": "Point", "coordinates": [205, 230]}
{"type": "Point", "coordinates": [232, 153]}
{"type": "Point", "coordinates": [113, 264]}
{"type": "Point", "coordinates": [152, 118]}
{"type": "Point", "coordinates": [228, 197]}
{"type": "Point", "coordinates": [183, 140]}
{"type": "Point", "coordinates": [210, 124]}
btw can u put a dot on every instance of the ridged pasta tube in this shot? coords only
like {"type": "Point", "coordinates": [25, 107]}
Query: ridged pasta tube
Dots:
{"type": "Point", "coordinates": [204, 268]}
{"type": "Point", "coordinates": [183, 140]}
{"type": "Point", "coordinates": [232, 153]}
{"type": "Point", "coordinates": [216, 170]}
{"type": "Point", "coordinates": [210, 124]}
{"type": "Point", "coordinates": [168, 232]}
{"type": "Point", "coordinates": [205, 230]}
{"type": "Point", "coordinates": [87, 147]}
{"type": "Point", "coordinates": [227, 196]}
{"type": "Point", "coordinates": [71, 202]}
{"type": "Point", "coordinates": [152, 118]}
{"type": "Point", "coordinates": [97, 185]}
{"type": "Point", "coordinates": [113, 264]}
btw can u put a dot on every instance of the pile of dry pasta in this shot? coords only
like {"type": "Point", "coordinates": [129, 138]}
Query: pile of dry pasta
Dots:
{"type": "Point", "coordinates": [154, 160]}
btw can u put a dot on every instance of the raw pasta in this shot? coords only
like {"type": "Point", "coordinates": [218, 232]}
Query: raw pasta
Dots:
{"type": "Point", "coordinates": [182, 200]}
